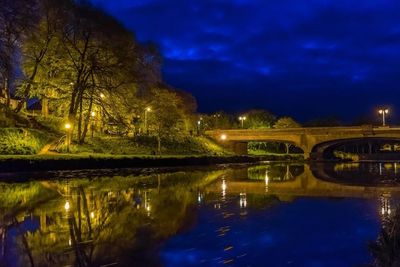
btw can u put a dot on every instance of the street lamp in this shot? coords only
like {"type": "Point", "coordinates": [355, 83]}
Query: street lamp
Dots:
{"type": "Point", "coordinates": [148, 109]}
{"type": "Point", "coordinates": [67, 206]}
{"type": "Point", "coordinates": [242, 119]}
{"type": "Point", "coordinates": [199, 126]}
{"type": "Point", "coordinates": [384, 112]}
{"type": "Point", "coordinates": [68, 138]}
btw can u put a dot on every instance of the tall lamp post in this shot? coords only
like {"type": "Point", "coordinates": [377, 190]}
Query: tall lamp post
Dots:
{"type": "Point", "coordinates": [146, 110]}
{"type": "Point", "coordinates": [102, 97]}
{"type": "Point", "coordinates": [383, 112]}
{"type": "Point", "coordinates": [68, 138]}
{"type": "Point", "coordinates": [199, 126]}
{"type": "Point", "coordinates": [242, 119]}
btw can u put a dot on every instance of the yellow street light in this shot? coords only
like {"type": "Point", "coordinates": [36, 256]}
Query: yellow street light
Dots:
{"type": "Point", "coordinates": [242, 119]}
{"type": "Point", "coordinates": [68, 127]}
{"type": "Point", "coordinates": [148, 109]}
{"type": "Point", "coordinates": [67, 206]}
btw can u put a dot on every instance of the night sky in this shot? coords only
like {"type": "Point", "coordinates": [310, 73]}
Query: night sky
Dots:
{"type": "Point", "coordinates": [306, 59]}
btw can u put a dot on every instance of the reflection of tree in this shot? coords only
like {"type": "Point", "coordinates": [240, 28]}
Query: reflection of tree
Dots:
{"type": "Point", "coordinates": [276, 173]}
{"type": "Point", "coordinates": [107, 221]}
{"type": "Point", "coordinates": [386, 249]}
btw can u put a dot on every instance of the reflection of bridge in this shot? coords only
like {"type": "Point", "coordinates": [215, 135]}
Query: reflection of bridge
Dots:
{"type": "Point", "coordinates": [313, 141]}
{"type": "Point", "coordinates": [306, 184]}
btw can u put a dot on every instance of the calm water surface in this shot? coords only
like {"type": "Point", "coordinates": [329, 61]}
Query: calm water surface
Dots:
{"type": "Point", "coordinates": [266, 215]}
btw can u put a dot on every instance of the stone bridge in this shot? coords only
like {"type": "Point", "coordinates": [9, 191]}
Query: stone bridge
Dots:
{"type": "Point", "coordinates": [313, 141]}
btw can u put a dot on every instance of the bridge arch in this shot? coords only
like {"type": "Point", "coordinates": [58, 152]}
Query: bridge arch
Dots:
{"type": "Point", "coordinates": [365, 146]}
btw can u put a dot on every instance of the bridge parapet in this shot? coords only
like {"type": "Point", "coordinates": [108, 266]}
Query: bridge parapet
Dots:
{"type": "Point", "coordinates": [305, 138]}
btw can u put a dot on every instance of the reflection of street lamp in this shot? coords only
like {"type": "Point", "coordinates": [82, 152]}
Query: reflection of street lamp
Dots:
{"type": "Point", "coordinates": [242, 200]}
{"type": "Point", "coordinates": [223, 188]}
{"type": "Point", "coordinates": [148, 109]}
{"type": "Point", "coordinates": [386, 209]}
{"type": "Point", "coordinates": [383, 112]}
{"type": "Point", "coordinates": [68, 138]}
{"type": "Point", "coordinates": [242, 119]}
{"type": "Point", "coordinates": [266, 181]}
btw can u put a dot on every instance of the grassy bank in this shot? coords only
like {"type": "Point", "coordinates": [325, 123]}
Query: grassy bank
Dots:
{"type": "Point", "coordinates": [147, 145]}
{"type": "Point", "coordinates": [22, 141]}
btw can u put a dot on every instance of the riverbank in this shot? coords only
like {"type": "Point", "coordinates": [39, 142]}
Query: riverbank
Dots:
{"type": "Point", "coordinates": [45, 163]}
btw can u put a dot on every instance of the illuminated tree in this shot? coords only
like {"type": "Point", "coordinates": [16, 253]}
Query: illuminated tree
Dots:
{"type": "Point", "coordinates": [286, 122]}
{"type": "Point", "coordinates": [258, 118]}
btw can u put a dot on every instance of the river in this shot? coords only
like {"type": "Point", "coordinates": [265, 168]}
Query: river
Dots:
{"type": "Point", "coordinates": [271, 214]}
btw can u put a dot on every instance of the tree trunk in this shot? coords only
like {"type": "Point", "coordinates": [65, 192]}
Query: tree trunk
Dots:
{"type": "Point", "coordinates": [159, 145]}
{"type": "Point", "coordinates": [28, 88]}
{"type": "Point", "coordinates": [80, 119]}
{"type": "Point", "coordinates": [7, 92]}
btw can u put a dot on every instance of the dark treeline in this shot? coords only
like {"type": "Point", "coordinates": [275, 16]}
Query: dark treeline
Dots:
{"type": "Point", "coordinates": [80, 62]}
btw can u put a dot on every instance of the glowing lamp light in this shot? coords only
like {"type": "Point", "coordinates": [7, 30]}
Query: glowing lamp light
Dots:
{"type": "Point", "coordinates": [223, 137]}
{"type": "Point", "coordinates": [148, 109]}
{"type": "Point", "coordinates": [67, 206]}
{"type": "Point", "coordinates": [93, 113]}
{"type": "Point", "coordinates": [102, 95]}
{"type": "Point", "coordinates": [67, 126]}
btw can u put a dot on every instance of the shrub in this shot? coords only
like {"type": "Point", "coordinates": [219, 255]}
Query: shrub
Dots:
{"type": "Point", "coordinates": [18, 141]}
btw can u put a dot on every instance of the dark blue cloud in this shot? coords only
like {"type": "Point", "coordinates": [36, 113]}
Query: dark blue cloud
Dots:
{"type": "Point", "coordinates": [301, 58]}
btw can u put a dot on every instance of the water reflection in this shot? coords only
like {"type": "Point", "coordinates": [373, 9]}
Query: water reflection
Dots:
{"type": "Point", "coordinates": [367, 173]}
{"type": "Point", "coordinates": [123, 221]}
{"type": "Point", "coordinates": [386, 248]}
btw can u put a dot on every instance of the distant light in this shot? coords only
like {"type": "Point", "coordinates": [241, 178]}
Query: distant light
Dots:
{"type": "Point", "coordinates": [67, 206]}
{"type": "Point", "coordinates": [92, 214]}
{"type": "Point", "coordinates": [102, 95]}
{"type": "Point", "coordinates": [67, 126]}
{"type": "Point", "coordinates": [148, 109]}
{"type": "Point", "coordinates": [93, 113]}
{"type": "Point", "coordinates": [223, 137]}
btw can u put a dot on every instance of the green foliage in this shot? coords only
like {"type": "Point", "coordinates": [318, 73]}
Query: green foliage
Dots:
{"type": "Point", "coordinates": [258, 118]}
{"type": "Point", "coordinates": [18, 141]}
{"type": "Point", "coordinates": [286, 122]}
{"type": "Point", "coordinates": [217, 120]}
{"type": "Point", "coordinates": [9, 118]}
